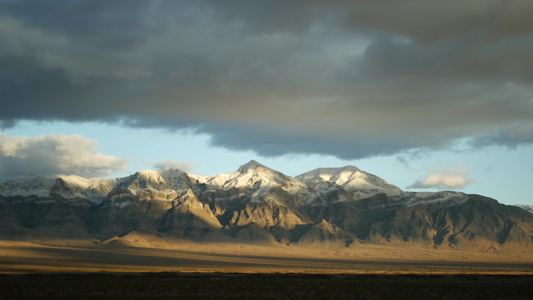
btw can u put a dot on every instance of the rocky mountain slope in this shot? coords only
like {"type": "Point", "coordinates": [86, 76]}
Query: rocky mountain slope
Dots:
{"type": "Point", "coordinates": [341, 207]}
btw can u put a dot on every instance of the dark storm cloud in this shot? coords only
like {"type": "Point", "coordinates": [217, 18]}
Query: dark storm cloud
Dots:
{"type": "Point", "coordinates": [99, 23]}
{"type": "Point", "coordinates": [433, 21]}
{"type": "Point", "coordinates": [36, 92]}
{"type": "Point", "coordinates": [346, 78]}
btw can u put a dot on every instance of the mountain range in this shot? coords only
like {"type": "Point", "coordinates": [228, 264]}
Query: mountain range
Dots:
{"type": "Point", "coordinates": [333, 207]}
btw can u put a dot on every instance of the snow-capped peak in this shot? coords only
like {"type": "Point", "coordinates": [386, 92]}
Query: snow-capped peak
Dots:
{"type": "Point", "coordinates": [168, 180]}
{"type": "Point", "coordinates": [252, 174]}
{"type": "Point", "coordinates": [337, 175]}
{"type": "Point", "coordinates": [349, 178]}
{"type": "Point", "coordinates": [144, 179]}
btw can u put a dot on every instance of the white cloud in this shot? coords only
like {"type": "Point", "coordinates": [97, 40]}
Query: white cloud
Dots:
{"type": "Point", "coordinates": [180, 165]}
{"type": "Point", "coordinates": [445, 178]}
{"type": "Point", "coordinates": [56, 154]}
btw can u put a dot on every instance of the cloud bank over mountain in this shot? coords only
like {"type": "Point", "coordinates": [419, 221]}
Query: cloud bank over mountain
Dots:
{"type": "Point", "coordinates": [56, 154]}
{"type": "Point", "coordinates": [349, 79]}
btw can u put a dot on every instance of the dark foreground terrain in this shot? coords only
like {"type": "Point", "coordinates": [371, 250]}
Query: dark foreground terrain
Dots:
{"type": "Point", "coordinates": [263, 286]}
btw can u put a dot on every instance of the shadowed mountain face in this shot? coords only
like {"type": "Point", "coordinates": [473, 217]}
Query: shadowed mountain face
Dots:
{"type": "Point", "coordinates": [341, 207]}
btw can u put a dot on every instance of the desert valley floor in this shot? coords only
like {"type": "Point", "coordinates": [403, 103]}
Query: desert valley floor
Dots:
{"type": "Point", "coordinates": [191, 270]}
{"type": "Point", "coordinates": [186, 256]}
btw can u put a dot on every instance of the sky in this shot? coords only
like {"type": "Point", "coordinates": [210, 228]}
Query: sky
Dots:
{"type": "Point", "coordinates": [428, 95]}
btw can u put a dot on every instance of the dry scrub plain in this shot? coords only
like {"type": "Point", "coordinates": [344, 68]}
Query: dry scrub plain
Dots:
{"type": "Point", "coordinates": [186, 256]}
{"type": "Point", "coordinates": [190, 270]}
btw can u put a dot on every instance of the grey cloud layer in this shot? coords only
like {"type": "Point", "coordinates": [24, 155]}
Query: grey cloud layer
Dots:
{"type": "Point", "coordinates": [346, 78]}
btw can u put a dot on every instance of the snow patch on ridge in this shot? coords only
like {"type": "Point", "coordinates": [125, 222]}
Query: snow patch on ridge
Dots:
{"type": "Point", "coordinates": [446, 197]}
